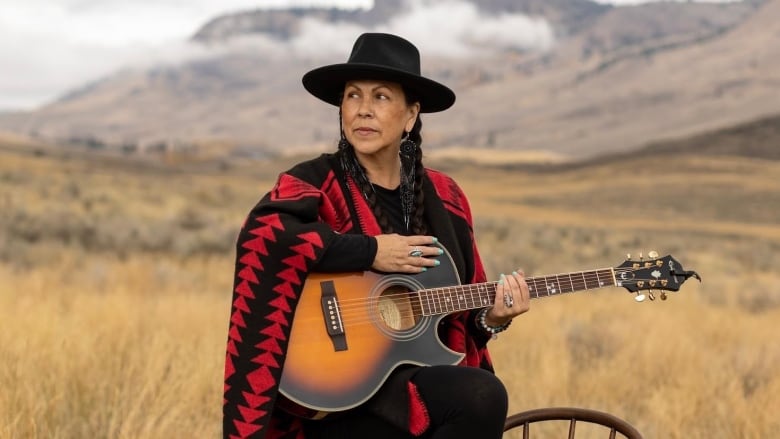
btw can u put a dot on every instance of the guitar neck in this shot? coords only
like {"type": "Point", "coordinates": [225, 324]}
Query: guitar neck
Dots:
{"type": "Point", "coordinates": [446, 300]}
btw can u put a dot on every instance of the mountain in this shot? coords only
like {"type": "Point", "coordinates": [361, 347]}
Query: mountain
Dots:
{"type": "Point", "coordinates": [616, 78]}
{"type": "Point", "coordinates": [567, 16]}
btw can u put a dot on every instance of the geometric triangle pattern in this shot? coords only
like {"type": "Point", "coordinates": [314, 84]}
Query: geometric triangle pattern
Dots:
{"type": "Point", "coordinates": [274, 255]}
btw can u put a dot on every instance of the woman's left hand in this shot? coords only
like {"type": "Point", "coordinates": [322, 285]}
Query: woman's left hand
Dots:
{"type": "Point", "coordinates": [512, 299]}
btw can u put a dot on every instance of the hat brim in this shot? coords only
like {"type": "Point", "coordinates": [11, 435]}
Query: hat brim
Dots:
{"type": "Point", "coordinates": [327, 84]}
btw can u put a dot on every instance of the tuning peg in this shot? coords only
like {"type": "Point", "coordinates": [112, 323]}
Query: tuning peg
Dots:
{"type": "Point", "coordinates": [653, 254]}
{"type": "Point", "coordinates": [628, 256]}
{"type": "Point", "coordinates": [651, 295]}
{"type": "Point", "coordinates": [641, 257]}
{"type": "Point", "coordinates": [663, 295]}
{"type": "Point", "coordinates": [639, 297]}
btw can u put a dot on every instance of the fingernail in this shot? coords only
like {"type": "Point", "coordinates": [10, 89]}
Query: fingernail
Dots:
{"type": "Point", "coordinates": [441, 252]}
{"type": "Point", "coordinates": [435, 240]}
{"type": "Point", "coordinates": [424, 268]}
{"type": "Point", "coordinates": [501, 281]}
{"type": "Point", "coordinates": [514, 272]}
{"type": "Point", "coordinates": [436, 263]}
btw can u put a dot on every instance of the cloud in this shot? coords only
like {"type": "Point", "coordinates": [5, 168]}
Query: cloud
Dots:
{"type": "Point", "coordinates": [454, 29]}
{"type": "Point", "coordinates": [51, 46]}
{"type": "Point", "coordinates": [66, 43]}
{"type": "Point", "coordinates": [458, 29]}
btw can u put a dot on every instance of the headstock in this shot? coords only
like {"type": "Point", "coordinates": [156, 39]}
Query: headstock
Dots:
{"type": "Point", "coordinates": [653, 274]}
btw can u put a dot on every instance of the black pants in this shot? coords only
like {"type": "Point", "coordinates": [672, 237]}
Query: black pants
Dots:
{"type": "Point", "coordinates": [462, 402]}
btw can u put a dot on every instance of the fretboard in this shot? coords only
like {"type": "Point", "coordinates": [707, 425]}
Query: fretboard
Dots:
{"type": "Point", "coordinates": [445, 300]}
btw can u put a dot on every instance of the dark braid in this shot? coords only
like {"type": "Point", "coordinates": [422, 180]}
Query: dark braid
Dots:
{"type": "Point", "coordinates": [417, 221]}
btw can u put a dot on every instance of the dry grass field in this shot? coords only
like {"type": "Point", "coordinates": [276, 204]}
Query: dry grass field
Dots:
{"type": "Point", "coordinates": [115, 280]}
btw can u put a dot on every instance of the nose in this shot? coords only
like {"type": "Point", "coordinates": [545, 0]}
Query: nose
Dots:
{"type": "Point", "coordinates": [365, 109]}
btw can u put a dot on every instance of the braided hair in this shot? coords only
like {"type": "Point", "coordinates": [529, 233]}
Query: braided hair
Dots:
{"type": "Point", "coordinates": [411, 165]}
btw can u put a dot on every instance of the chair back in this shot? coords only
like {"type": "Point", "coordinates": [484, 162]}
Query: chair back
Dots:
{"type": "Point", "coordinates": [574, 415]}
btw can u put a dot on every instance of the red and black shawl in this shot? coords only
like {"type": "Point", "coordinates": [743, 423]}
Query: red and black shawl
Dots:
{"type": "Point", "coordinates": [281, 241]}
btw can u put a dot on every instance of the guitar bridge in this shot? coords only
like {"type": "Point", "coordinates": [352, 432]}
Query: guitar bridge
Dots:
{"type": "Point", "coordinates": [331, 313]}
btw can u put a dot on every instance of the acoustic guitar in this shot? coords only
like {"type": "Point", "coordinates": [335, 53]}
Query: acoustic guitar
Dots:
{"type": "Point", "coordinates": [351, 330]}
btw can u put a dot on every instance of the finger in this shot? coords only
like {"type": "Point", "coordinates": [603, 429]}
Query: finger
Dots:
{"type": "Point", "coordinates": [413, 269]}
{"type": "Point", "coordinates": [424, 251]}
{"type": "Point", "coordinates": [524, 290]}
{"type": "Point", "coordinates": [523, 296]}
{"type": "Point", "coordinates": [502, 292]}
{"type": "Point", "coordinates": [518, 284]}
{"type": "Point", "coordinates": [421, 240]}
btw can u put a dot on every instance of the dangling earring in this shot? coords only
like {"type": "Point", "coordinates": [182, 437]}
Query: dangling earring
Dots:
{"type": "Point", "coordinates": [345, 158]}
{"type": "Point", "coordinates": [408, 155]}
{"type": "Point", "coordinates": [408, 147]}
{"type": "Point", "coordinates": [350, 165]}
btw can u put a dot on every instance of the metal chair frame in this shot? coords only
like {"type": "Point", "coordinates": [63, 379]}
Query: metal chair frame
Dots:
{"type": "Point", "coordinates": [573, 415]}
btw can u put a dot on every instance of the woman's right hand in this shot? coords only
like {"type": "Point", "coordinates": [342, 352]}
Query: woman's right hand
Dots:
{"type": "Point", "coordinates": [405, 254]}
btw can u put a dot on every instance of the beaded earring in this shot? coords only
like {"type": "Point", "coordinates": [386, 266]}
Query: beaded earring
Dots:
{"type": "Point", "coordinates": [408, 155]}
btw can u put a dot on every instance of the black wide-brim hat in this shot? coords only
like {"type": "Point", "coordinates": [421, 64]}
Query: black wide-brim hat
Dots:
{"type": "Point", "coordinates": [383, 57]}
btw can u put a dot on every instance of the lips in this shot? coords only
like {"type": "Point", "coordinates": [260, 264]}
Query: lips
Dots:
{"type": "Point", "coordinates": [365, 131]}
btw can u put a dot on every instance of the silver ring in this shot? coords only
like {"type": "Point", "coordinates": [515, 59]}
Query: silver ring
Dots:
{"type": "Point", "coordinates": [416, 253]}
{"type": "Point", "coordinates": [508, 300]}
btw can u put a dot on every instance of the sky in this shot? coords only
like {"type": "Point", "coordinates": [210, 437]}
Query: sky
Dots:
{"type": "Point", "coordinates": [48, 47]}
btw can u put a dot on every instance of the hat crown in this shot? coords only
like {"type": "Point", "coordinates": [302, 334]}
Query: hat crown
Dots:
{"type": "Point", "coordinates": [384, 57]}
{"type": "Point", "coordinates": [386, 50]}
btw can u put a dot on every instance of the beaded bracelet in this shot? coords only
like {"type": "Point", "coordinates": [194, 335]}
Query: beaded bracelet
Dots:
{"type": "Point", "coordinates": [492, 330]}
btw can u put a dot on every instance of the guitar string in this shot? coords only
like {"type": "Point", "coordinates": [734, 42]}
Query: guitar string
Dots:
{"type": "Point", "coordinates": [585, 281]}
{"type": "Point", "coordinates": [436, 296]}
{"type": "Point", "coordinates": [354, 309]}
{"type": "Point", "coordinates": [584, 277]}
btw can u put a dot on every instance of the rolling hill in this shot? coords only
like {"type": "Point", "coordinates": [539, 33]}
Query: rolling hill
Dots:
{"type": "Point", "coordinates": [615, 80]}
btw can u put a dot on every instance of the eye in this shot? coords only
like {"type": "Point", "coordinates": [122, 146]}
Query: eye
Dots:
{"type": "Point", "coordinates": [382, 96]}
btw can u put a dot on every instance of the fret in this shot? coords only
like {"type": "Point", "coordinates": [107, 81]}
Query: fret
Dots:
{"type": "Point", "coordinates": [462, 299]}
{"type": "Point", "coordinates": [428, 308]}
{"type": "Point", "coordinates": [452, 299]}
{"type": "Point", "coordinates": [532, 288]}
{"type": "Point", "coordinates": [447, 294]}
{"type": "Point", "coordinates": [422, 296]}
{"type": "Point", "coordinates": [581, 283]}
{"type": "Point", "coordinates": [437, 308]}
{"type": "Point", "coordinates": [586, 279]}
{"type": "Point", "coordinates": [540, 288]}
{"type": "Point", "coordinates": [446, 300]}
{"type": "Point", "coordinates": [601, 278]}
{"type": "Point", "coordinates": [436, 301]}
{"type": "Point", "coordinates": [593, 279]}
{"type": "Point", "coordinates": [484, 296]}
{"type": "Point", "coordinates": [551, 287]}
{"type": "Point", "coordinates": [468, 292]}
{"type": "Point", "coordinates": [558, 283]}
{"type": "Point", "coordinates": [566, 287]}
{"type": "Point", "coordinates": [576, 283]}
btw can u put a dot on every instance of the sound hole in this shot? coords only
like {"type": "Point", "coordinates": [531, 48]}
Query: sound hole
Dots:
{"type": "Point", "coordinates": [398, 308]}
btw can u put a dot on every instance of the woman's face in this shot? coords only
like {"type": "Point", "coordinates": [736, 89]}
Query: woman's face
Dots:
{"type": "Point", "coordinates": [374, 115]}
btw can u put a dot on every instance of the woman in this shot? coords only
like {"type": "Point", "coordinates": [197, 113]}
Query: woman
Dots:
{"type": "Point", "coordinates": [369, 206]}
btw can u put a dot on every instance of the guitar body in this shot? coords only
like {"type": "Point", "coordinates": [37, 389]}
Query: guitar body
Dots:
{"type": "Point", "coordinates": [352, 330]}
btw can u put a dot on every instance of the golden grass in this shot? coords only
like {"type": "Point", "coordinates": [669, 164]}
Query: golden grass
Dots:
{"type": "Point", "coordinates": [115, 350]}
{"type": "Point", "coordinates": [110, 329]}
